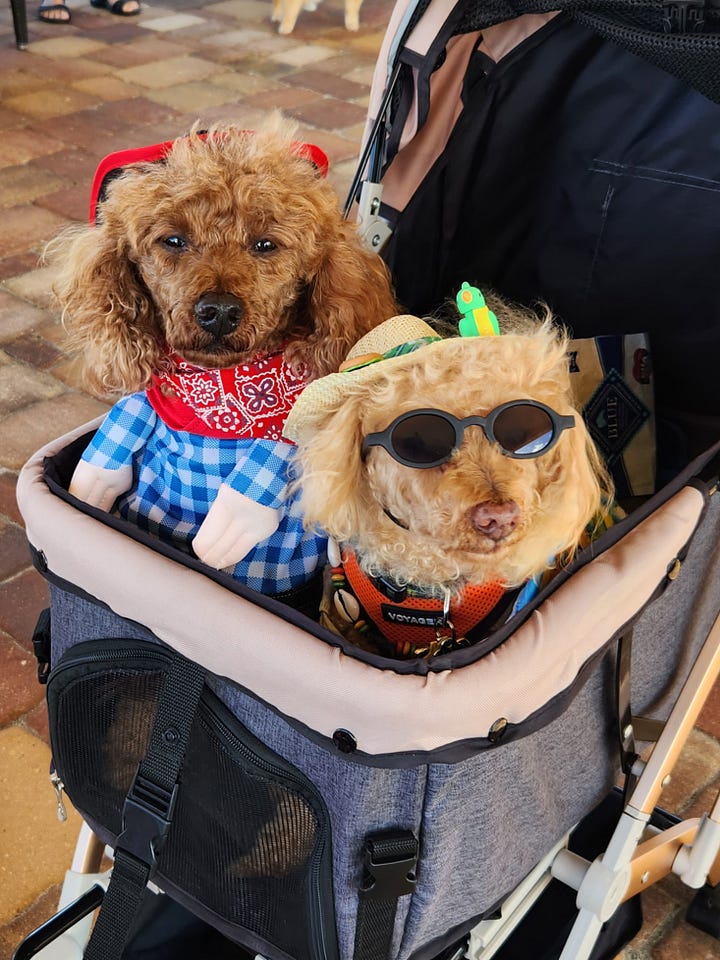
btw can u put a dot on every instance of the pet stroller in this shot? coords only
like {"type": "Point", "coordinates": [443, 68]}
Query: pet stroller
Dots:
{"type": "Point", "coordinates": [312, 801]}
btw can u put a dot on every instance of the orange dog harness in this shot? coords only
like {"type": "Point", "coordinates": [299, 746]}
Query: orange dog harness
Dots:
{"type": "Point", "coordinates": [416, 625]}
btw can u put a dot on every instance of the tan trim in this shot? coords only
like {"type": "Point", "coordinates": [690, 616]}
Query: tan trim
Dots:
{"type": "Point", "coordinates": [654, 858]}
{"type": "Point", "coordinates": [419, 150]}
{"type": "Point", "coordinates": [314, 682]}
{"type": "Point", "coordinates": [680, 723]}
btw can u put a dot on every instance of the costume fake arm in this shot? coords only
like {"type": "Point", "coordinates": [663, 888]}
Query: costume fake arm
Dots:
{"type": "Point", "coordinates": [248, 508]}
{"type": "Point", "coordinates": [105, 470]}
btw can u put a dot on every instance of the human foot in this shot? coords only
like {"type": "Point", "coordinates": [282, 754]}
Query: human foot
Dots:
{"type": "Point", "coordinates": [121, 8]}
{"type": "Point", "coordinates": [54, 11]}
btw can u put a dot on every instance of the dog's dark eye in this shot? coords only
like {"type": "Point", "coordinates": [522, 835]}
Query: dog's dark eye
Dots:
{"type": "Point", "coordinates": [263, 246]}
{"type": "Point", "coordinates": [174, 242]}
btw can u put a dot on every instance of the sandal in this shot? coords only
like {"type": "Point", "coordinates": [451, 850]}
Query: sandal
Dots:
{"type": "Point", "coordinates": [45, 9]}
{"type": "Point", "coordinates": [116, 6]}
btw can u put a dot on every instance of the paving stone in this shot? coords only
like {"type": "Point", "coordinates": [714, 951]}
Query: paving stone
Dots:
{"type": "Point", "coordinates": [24, 432]}
{"type": "Point", "coordinates": [37, 720]}
{"type": "Point", "coordinates": [253, 10]}
{"type": "Point", "coordinates": [17, 264]}
{"type": "Point", "coordinates": [71, 203]}
{"type": "Point", "coordinates": [69, 45]}
{"type": "Point", "coordinates": [17, 317]}
{"type": "Point", "coordinates": [52, 103]}
{"type": "Point", "coordinates": [301, 56]}
{"type": "Point", "coordinates": [324, 82]}
{"type": "Point", "coordinates": [175, 22]}
{"type": "Point", "coordinates": [32, 350]}
{"type": "Point", "coordinates": [84, 126]}
{"type": "Point", "coordinates": [26, 220]}
{"type": "Point", "coordinates": [336, 147]}
{"type": "Point", "coordinates": [14, 554]}
{"type": "Point", "coordinates": [13, 933]}
{"type": "Point", "coordinates": [20, 691]}
{"type": "Point", "coordinates": [234, 114]}
{"type": "Point", "coordinates": [698, 765]}
{"type": "Point", "coordinates": [169, 73]}
{"type": "Point", "coordinates": [709, 719]}
{"type": "Point", "coordinates": [36, 285]}
{"type": "Point", "coordinates": [19, 146]}
{"type": "Point", "coordinates": [10, 119]}
{"type": "Point", "coordinates": [193, 98]}
{"type": "Point", "coordinates": [108, 88]}
{"type": "Point", "coordinates": [22, 599]}
{"type": "Point", "coordinates": [20, 386]}
{"type": "Point", "coordinates": [147, 49]}
{"type": "Point", "coordinates": [71, 70]}
{"type": "Point", "coordinates": [685, 941]}
{"type": "Point", "coordinates": [329, 113]}
{"type": "Point", "coordinates": [23, 184]}
{"type": "Point", "coordinates": [70, 164]}
{"type": "Point", "coordinates": [8, 503]}
{"type": "Point", "coordinates": [141, 111]}
{"type": "Point", "coordinates": [288, 100]}
{"type": "Point", "coordinates": [28, 811]}
{"type": "Point", "coordinates": [239, 39]}
{"type": "Point", "coordinates": [245, 63]}
{"type": "Point", "coordinates": [246, 84]}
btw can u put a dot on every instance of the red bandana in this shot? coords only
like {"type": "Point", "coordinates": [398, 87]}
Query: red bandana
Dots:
{"type": "Point", "coordinates": [250, 401]}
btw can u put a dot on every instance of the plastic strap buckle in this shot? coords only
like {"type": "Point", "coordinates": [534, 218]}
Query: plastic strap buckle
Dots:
{"type": "Point", "coordinates": [390, 861]}
{"type": "Point", "coordinates": [147, 815]}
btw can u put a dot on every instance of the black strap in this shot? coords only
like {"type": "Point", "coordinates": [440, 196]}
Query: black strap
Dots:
{"type": "Point", "coordinates": [148, 810]}
{"type": "Point", "coordinates": [626, 729]}
{"type": "Point", "coordinates": [390, 860]}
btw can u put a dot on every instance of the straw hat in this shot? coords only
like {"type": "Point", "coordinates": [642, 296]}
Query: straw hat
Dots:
{"type": "Point", "coordinates": [391, 342]}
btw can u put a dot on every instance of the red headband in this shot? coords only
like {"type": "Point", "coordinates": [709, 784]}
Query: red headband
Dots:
{"type": "Point", "coordinates": [114, 163]}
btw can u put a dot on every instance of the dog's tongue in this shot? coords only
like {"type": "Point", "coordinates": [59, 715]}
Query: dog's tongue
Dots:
{"type": "Point", "coordinates": [495, 520]}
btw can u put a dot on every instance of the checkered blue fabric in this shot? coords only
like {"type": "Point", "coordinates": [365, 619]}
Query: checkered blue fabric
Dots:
{"type": "Point", "coordinates": [178, 475]}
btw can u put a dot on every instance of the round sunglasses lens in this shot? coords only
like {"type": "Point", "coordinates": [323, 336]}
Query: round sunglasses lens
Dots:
{"type": "Point", "coordinates": [423, 439]}
{"type": "Point", "coordinates": [524, 430]}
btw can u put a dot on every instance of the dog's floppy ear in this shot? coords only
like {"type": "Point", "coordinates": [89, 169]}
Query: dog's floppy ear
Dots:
{"type": "Point", "coordinates": [106, 310]}
{"type": "Point", "coordinates": [328, 467]}
{"type": "Point", "coordinates": [349, 294]}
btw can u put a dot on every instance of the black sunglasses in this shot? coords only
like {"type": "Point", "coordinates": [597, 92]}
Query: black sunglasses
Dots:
{"type": "Point", "coordinates": [426, 438]}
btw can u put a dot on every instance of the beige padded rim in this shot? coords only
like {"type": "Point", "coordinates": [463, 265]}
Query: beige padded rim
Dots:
{"type": "Point", "coordinates": [314, 682]}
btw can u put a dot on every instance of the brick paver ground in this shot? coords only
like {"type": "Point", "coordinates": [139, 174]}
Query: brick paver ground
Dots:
{"type": "Point", "coordinates": [79, 92]}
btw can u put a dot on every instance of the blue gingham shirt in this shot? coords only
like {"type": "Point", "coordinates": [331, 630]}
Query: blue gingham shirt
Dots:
{"type": "Point", "coordinates": [177, 476]}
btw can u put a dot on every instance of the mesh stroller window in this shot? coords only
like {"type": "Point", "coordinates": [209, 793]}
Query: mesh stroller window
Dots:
{"type": "Point", "coordinates": [249, 841]}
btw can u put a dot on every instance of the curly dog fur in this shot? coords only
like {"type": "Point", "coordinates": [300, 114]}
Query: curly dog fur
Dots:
{"type": "Point", "coordinates": [445, 544]}
{"type": "Point", "coordinates": [238, 214]}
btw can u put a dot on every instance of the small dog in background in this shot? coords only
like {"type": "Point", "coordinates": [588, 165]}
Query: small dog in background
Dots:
{"type": "Point", "coordinates": [218, 281]}
{"type": "Point", "coordinates": [449, 471]}
{"type": "Point", "coordinates": [286, 12]}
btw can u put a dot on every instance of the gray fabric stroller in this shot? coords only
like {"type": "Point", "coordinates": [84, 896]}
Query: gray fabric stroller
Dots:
{"type": "Point", "coordinates": [307, 800]}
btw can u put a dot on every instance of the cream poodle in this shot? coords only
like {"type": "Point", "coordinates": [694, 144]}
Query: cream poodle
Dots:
{"type": "Point", "coordinates": [217, 282]}
{"type": "Point", "coordinates": [449, 463]}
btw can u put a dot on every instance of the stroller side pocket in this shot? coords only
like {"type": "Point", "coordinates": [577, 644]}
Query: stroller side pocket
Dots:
{"type": "Point", "coordinates": [249, 847]}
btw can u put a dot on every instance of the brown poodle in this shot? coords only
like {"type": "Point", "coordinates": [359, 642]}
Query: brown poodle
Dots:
{"type": "Point", "coordinates": [234, 245]}
{"type": "Point", "coordinates": [216, 284]}
{"type": "Point", "coordinates": [465, 510]}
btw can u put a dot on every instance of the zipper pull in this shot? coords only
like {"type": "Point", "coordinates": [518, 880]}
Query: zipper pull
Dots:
{"type": "Point", "coordinates": [58, 786]}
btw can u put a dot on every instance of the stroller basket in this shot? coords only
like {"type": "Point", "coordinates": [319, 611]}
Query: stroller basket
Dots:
{"type": "Point", "coordinates": [303, 749]}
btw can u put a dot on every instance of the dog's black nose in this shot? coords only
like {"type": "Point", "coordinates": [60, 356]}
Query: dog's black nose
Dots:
{"type": "Point", "coordinates": [218, 313]}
